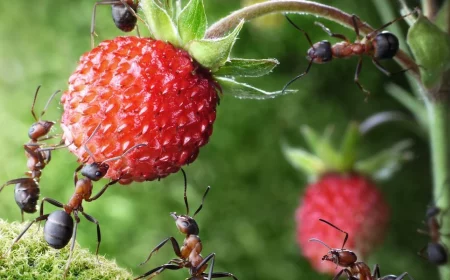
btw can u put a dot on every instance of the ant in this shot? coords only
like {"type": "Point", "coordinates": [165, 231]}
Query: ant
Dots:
{"type": "Point", "coordinates": [379, 45]}
{"type": "Point", "coordinates": [59, 228]}
{"type": "Point", "coordinates": [189, 254]}
{"type": "Point", "coordinates": [347, 259]}
{"type": "Point", "coordinates": [124, 14]}
{"type": "Point", "coordinates": [436, 253]}
{"type": "Point", "coordinates": [27, 189]}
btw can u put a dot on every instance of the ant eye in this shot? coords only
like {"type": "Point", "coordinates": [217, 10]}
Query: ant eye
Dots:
{"type": "Point", "coordinates": [185, 224]}
{"type": "Point", "coordinates": [98, 174]}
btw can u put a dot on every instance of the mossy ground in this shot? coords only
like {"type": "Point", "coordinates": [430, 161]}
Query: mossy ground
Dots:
{"type": "Point", "coordinates": [32, 258]}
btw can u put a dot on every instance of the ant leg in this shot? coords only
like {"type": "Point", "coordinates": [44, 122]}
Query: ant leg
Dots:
{"type": "Point", "coordinates": [15, 181]}
{"type": "Point", "coordinates": [38, 219]}
{"type": "Point", "coordinates": [124, 2]}
{"type": "Point", "coordinates": [99, 235]}
{"type": "Point", "coordinates": [422, 254]}
{"type": "Point", "coordinates": [209, 257]}
{"type": "Point", "coordinates": [75, 174]}
{"type": "Point", "coordinates": [297, 77]}
{"type": "Point", "coordinates": [102, 191]}
{"type": "Point", "coordinates": [61, 145]}
{"type": "Point", "coordinates": [355, 20]}
{"type": "Point", "coordinates": [375, 32]}
{"type": "Point", "coordinates": [385, 71]}
{"type": "Point", "coordinates": [52, 202]}
{"type": "Point", "coordinates": [401, 276]}
{"type": "Point", "coordinates": [72, 246]}
{"type": "Point", "coordinates": [221, 275]}
{"type": "Point", "coordinates": [158, 270]}
{"type": "Point", "coordinates": [94, 12]}
{"type": "Point", "coordinates": [34, 102]}
{"type": "Point", "coordinates": [176, 248]}
{"type": "Point", "coordinates": [358, 71]}
{"type": "Point", "coordinates": [335, 35]}
{"type": "Point", "coordinates": [376, 272]}
{"type": "Point", "coordinates": [421, 231]}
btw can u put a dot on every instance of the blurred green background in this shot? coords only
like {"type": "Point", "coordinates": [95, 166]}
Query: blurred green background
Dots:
{"type": "Point", "coordinates": [248, 217]}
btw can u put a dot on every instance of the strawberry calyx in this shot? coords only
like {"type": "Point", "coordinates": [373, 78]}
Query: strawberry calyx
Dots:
{"type": "Point", "coordinates": [186, 28]}
{"type": "Point", "coordinates": [324, 158]}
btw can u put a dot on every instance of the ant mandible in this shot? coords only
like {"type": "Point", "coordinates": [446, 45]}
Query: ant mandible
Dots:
{"type": "Point", "coordinates": [27, 191]}
{"type": "Point", "coordinates": [347, 260]}
{"type": "Point", "coordinates": [436, 253]}
{"type": "Point", "coordinates": [379, 45]}
{"type": "Point", "coordinates": [189, 254]}
{"type": "Point", "coordinates": [59, 228]}
{"type": "Point", "coordinates": [124, 14]}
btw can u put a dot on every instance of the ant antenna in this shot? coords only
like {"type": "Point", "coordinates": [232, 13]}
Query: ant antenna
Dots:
{"type": "Point", "coordinates": [346, 234]}
{"type": "Point", "coordinates": [92, 135]}
{"type": "Point", "coordinates": [297, 77]}
{"type": "Point", "coordinates": [301, 30]}
{"type": "Point", "coordinates": [48, 102]}
{"type": "Point", "coordinates": [321, 242]}
{"type": "Point", "coordinates": [185, 190]}
{"type": "Point", "coordinates": [373, 33]}
{"type": "Point", "coordinates": [203, 200]}
{"type": "Point", "coordinates": [124, 153]}
{"type": "Point", "coordinates": [34, 101]}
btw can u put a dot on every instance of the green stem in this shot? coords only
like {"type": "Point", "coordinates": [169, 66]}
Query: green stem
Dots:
{"type": "Point", "coordinates": [228, 23]}
{"type": "Point", "coordinates": [429, 9]}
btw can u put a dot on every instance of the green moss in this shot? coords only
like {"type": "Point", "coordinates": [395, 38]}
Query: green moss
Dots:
{"type": "Point", "coordinates": [32, 258]}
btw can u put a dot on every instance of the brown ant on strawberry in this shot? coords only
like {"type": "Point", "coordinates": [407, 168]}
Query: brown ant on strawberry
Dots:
{"type": "Point", "coordinates": [348, 261]}
{"type": "Point", "coordinates": [60, 228]}
{"type": "Point", "coordinates": [379, 45]}
{"type": "Point", "coordinates": [27, 191]}
{"type": "Point", "coordinates": [189, 254]}
{"type": "Point", "coordinates": [124, 14]}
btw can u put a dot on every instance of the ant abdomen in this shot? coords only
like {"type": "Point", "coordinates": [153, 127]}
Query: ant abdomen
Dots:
{"type": "Point", "coordinates": [58, 229]}
{"type": "Point", "coordinates": [123, 19]}
{"type": "Point", "coordinates": [385, 45]}
{"type": "Point", "coordinates": [436, 253]}
{"type": "Point", "coordinates": [26, 194]}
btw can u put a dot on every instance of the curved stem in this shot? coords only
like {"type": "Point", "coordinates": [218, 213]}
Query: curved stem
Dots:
{"type": "Point", "coordinates": [228, 23]}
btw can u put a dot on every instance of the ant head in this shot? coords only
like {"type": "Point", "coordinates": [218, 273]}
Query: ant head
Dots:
{"type": "Point", "coordinates": [185, 224]}
{"type": "Point", "coordinates": [39, 129]}
{"type": "Point", "coordinates": [385, 45]}
{"type": "Point", "coordinates": [123, 18]}
{"type": "Point", "coordinates": [320, 52]}
{"type": "Point", "coordinates": [432, 211]}
{"type": "Point", "coordinates": [95, 171]}
{"type": "Point", "coordinates": [340, 257]}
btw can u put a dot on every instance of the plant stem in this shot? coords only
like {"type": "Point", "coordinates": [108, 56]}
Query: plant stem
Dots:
{"type": "Point", "coordinates": [429, 9]}
{"type": "Point", "coordinates": [228, 23]}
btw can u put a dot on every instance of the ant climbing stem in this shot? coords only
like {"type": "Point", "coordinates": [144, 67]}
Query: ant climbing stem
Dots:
{"type": "Point", "coordinates": [124, 14]}
{"type": "Point", "coordinates": [27, 190]}
{"type": "Point", "coordinates": [347, 259]}
{"type": "Point", "coordinates": [60, 228]}
{"type": "Point", "coordinates": [189, 255]}
{"type": "Point", "coordinates": [379, 45]}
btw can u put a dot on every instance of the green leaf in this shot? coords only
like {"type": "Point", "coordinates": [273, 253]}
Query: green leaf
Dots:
{"type": "Point", "coordinates": [238, 67]}
{"type": "Point", "coordinates": [349, 146]}
{"type": "Point", "coordinates": [213, 53]}
{"type": "Point", "coordinates": [244, 91]}
{"type": "Point", "coordinates": [160, 23]}
{"type": "Point", "coordinates": [303, 160]}
{"type": "Point", "coordinates": [385, 163]}
{"type": "Point", "coordinates": [321, 146]}
{"type": "Point", "coordinates": [192, 21]}
{"type": "Point", "coordinates": [431, 49]}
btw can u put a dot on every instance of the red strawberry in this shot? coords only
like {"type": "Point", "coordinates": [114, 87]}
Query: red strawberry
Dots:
{"type": "Point", "coordinates": [340, 194]}
{"type": "Point", "coordinates": [161, 92]}
{"type": "Point", "coordinates": [352, 203]}
{"type": "Point", "coordinates": [141, 91]}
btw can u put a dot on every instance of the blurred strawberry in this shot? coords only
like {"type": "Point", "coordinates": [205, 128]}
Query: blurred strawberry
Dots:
{"type": "Point", "coordinates": [342, 193]}
{"type": "Point", "coordinates": [162, 92]}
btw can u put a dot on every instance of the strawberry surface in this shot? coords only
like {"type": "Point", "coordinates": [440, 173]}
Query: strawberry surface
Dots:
{"type": "Point", "coordinates": [140, 91]}
{"type": "Point", "coordinates": [351, 202]}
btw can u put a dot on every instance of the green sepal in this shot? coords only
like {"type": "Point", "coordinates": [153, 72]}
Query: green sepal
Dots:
{"type": "Point", "coordinates": [244, 91]}
{"type": "Point", "coordinates": [385, 163]}
{"type": "Point", "coordinates": [160, 23]}
{"type": "Point", "coordinates": [212, 53]}
{"type": "Point", "coordinates": [350, 142]}
{"type": "Point", "coordinates": [304, 161]}
{"type": "Point", "coordinates": [431, 49]}
{"type": "Point", "coordinates": [321, 146]}
{"type": "Point", "coordinates": [192, 21]}
{"type": "Point", "coordinates": [239, 67]}
{"type": "Point", "coordinates": [442, 17]}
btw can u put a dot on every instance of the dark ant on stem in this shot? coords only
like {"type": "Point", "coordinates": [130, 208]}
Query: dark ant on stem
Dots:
{"type": "Point", "coordinates": [378, 45]}
{"type": "Point", "coordinates": [434, 251]}
{"type": "Point", "coordinates": [60, 228]}
{"type": "Point", "coordinates": [27, 191]}
{"type": "Point", "coordinates": [348, 261]}
{"type": "Point", "coordinates": [124, 14]}
{"type": "Point", "coordinates": [189, 254]}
